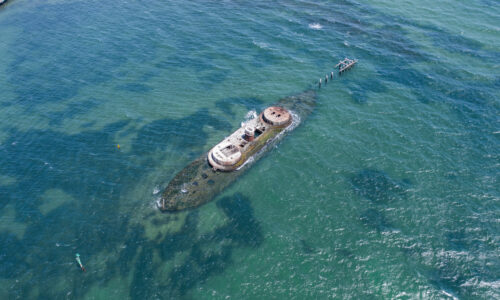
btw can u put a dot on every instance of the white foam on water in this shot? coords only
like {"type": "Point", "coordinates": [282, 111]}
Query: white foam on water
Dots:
{"type": "Point", "coordinates": [449, 294]}
{"type": "Point", "coordinates": [262, 45]}
{"type": "Point", "coordinates": [248, 161]}
{"type": "Point", "coordinates": [252, 114]}
{"type": "Point", "coordinates": [315, 26]}
{"type": "Point", "coordinates": [156, 190]}
{"type": "Point", "coordinates": [157, 204]}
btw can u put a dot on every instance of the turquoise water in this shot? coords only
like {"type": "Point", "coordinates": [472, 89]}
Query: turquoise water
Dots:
{"type": "Point", "coordinates": [389, 190]}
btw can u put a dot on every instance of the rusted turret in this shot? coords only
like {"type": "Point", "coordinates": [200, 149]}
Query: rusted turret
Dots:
{"type": "Point", "coordinates": [234, 150]}
{"type": "Point", "coordinates": [249, 133]}
{"type": "Point", "coordinates": [276, 116]}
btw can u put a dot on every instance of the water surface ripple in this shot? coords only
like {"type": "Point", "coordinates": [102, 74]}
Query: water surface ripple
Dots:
{"type": "Point", "coordinates": [388, 191]}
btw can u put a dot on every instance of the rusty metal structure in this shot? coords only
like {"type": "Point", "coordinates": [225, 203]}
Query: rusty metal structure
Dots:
{"type": "Point", "coordinates": [207, 176]}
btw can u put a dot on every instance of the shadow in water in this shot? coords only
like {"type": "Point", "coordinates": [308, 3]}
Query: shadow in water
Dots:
{"type": "Point", "coordinates": [226, 105]}
{"type": "Point", "coordinates": [242, 228]}
{"type": "Point", "coordinates": [93, 175]}
{"type": "Point", "coordinates": [72, 110]}
{"type": "Point", "coordinates": [201, 256]}
{"type": "Point", "coordinates": [377, 186]}
{"type": "Point", "coordinates": [306, 247]}
{"type": "Point", "coordinates": [380, 190]}
{"type": "Point", "coordinates": [135, 88]}
{"type": "Point", "coordinates": [376, 219]}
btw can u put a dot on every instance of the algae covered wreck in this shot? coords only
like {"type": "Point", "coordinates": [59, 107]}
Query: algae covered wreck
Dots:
{"type": "Point", "coordinates": [210, 174]}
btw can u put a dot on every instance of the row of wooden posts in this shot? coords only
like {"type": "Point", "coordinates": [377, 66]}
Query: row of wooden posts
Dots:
{"type": "Point", "coordinates": [343, 66]}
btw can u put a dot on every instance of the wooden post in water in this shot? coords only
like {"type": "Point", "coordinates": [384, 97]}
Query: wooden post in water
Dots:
{"type": "Point", "coordinates": [345, 65]}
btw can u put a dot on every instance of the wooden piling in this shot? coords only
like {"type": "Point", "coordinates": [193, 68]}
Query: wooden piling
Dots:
{"type": "Point", "coordinates": [345, 65]}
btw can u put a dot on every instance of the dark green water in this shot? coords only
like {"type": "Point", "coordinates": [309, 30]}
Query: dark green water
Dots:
{"type": "Point", "coordinates": [389, 190]}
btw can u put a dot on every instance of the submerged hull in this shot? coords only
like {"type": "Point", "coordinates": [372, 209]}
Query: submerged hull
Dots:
{"type": "Point", "coordinates": [199, 182]}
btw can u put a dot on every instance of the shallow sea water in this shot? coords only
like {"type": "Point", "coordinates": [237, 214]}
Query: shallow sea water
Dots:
{"type": "Point", "coordinates": [389, 190]}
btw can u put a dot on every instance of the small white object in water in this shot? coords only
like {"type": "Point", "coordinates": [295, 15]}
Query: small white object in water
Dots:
{"type": "Point", "coordinates": [315, 26]}
{"type": "Point", "coordinates": [156, 190]}
{"type": "Point", "coordinates": [252, 114]}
